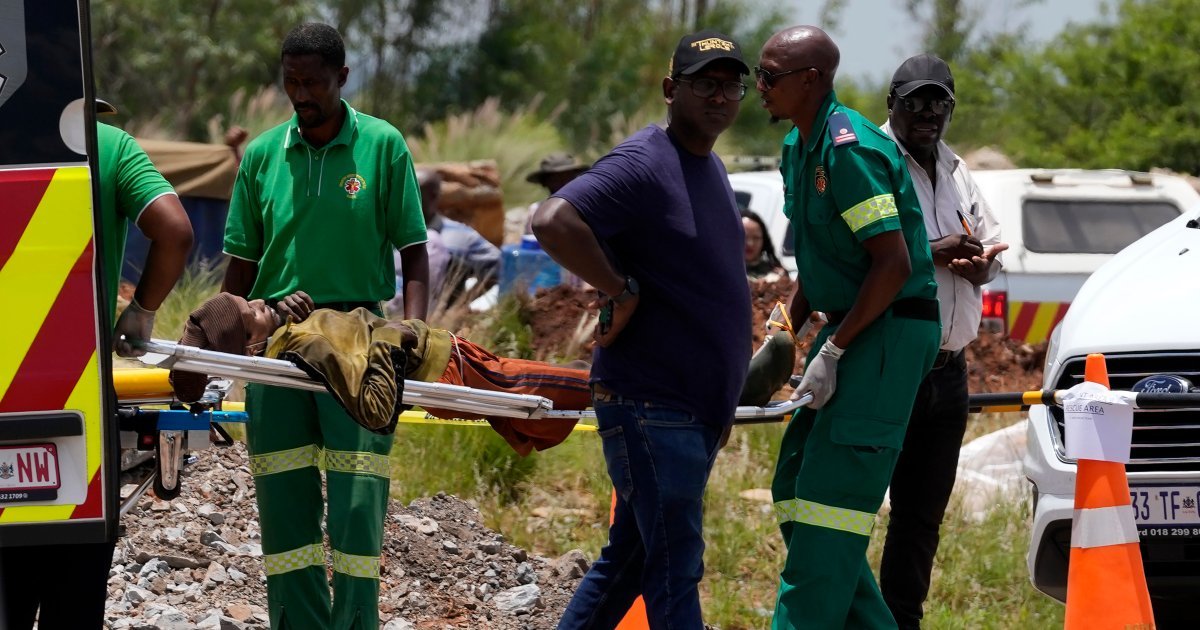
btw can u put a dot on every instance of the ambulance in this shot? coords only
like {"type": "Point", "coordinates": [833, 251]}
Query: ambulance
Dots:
{"type": "Point", "coordinates": [58, 428]}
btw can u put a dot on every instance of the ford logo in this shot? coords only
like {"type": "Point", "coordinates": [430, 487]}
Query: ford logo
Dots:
{"type": "Point", "coordinates": [1162, 384]}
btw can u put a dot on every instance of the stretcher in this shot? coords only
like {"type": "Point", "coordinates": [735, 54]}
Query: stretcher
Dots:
{"type": "Point", "coordinates": [172, 356]}
{"type": "Point", "coordinates": [172, 431]}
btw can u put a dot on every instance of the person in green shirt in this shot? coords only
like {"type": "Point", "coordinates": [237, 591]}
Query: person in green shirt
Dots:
{"type": "Point", "coordinates": [862, 259]}
{"type": "Point", "coordinates": [133, 191]}
{"type": "Point", "coordinates": [318, 205]}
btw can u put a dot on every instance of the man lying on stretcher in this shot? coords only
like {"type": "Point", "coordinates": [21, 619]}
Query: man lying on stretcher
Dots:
{"type": "Point", "coordinates": [363, 360]}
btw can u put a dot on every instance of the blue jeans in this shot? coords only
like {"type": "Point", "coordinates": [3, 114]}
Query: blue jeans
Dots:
{"type": "Point", "coordinates": [658, 458]}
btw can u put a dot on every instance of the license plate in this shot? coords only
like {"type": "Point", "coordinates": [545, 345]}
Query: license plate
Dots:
{"type": "Point", "coordinates": [29, 472]}
{"type": "Point", "coordinates": [1166, 510]}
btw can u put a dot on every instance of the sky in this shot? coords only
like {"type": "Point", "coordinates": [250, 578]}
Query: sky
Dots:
{"type": "Point", "coordinates": [876, 35]}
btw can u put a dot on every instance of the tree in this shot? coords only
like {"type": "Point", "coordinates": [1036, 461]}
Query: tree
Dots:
{"type": "Point", "coordinates": [1117, 94]}
{"type": "Point", "coordinates": [177, 63]}
{"type": "Point", "coordinates": [594, 65]}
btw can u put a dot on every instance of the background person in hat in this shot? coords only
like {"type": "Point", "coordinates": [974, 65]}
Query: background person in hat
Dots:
{"type": "Point", "coordinates": [965, 243]}
{"type": "Point", "coordinates": [661, 204]}
{"type": "Point", "coordinates": [69, 582]}
{"type": "Point", "coordinates": [862, 258]}
{"type": "Point", "coordinates": [555, 171]}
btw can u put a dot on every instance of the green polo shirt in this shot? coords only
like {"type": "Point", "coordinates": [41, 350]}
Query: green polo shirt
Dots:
{"type": "Point", "coordinates": [847, 183]}
{"type": "Point", "coordinates": [129, 183]}
{"type": "Point", "coordinates": [325, 220]}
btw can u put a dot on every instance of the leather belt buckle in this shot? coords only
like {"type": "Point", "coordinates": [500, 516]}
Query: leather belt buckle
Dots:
{"type": "Point", "coordinates": [944, 357]}
{"type": "Point", "coordinates": [600, 393]}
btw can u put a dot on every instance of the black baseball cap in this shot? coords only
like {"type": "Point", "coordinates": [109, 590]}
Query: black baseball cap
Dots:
{"type": "Point", "coordinates": [702, 48]}
{"type": "Point", "coordinates": [921, 70]}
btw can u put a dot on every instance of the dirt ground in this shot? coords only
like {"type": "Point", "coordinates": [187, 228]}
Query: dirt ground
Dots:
{"type": "Point", "coordinates": [996, 363]}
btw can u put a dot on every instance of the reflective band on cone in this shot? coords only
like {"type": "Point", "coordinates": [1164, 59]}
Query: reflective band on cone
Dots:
{"type": "Point", "coordinates": [1101, 527]}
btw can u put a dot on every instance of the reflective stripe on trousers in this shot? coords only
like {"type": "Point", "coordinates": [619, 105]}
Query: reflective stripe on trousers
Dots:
{"type": "Point", "coordinates": [828, 516]}
{"type": "Point", "coordinates": [355, 462]}
{"type": "Point", "coordinates": [294, 559]}
{"type": "Point", "coordinates": [314, 555]}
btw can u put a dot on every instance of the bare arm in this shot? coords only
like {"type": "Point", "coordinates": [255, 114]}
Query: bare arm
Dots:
{"type": "Point", "coordinates": [166, 225]}
{"type": "Point", "coordinates": [239, 276]}
{"type": "Point", "coordinates": [414, 264]}
{"type": "Point", "coordinates": [798, 307]}
{"type": "Point", "coordinates": [564, 235]}
{"type": "Point", "coordinates": [890, 269]}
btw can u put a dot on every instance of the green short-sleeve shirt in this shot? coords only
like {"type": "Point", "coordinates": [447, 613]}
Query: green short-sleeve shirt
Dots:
{"type": "Point", "coordinates": [128, 184]}
{"type": "Point", "coordinates": [326, 220]}
{"type": "Point", "coordinates": [846, 184]}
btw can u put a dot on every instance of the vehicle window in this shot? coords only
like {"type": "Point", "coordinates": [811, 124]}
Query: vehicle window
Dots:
{"type": "Point", "coordinates": [1075, 226]}
{"type": "Point", "coordinates": [742, 198]}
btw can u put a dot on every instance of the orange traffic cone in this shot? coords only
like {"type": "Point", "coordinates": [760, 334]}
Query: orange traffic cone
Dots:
{"type": "Point", "coordinates": [635, 618]}
{"type": "Point", "coordinates": [1106, 585]}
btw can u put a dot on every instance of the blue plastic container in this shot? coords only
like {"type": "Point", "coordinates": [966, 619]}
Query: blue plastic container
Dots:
{"type": "Point", "coordinates": [526, 266]}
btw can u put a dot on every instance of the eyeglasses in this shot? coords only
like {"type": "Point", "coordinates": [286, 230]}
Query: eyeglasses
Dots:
{"type": "Point", "coordinates": [706, 88]}
{"type": "Point", "coordinates": [768, 79]}
{"type": "Point", "coordinates": [917, 104]}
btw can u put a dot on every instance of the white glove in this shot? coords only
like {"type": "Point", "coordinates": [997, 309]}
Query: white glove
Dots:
{"type": "Point", "coordinates": [135, 323]}
{"type": "Point", "coordinates": [820, 375]}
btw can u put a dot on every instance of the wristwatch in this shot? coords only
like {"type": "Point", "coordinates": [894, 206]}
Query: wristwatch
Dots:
{"type": "Point", "coordinates": [630, 290]}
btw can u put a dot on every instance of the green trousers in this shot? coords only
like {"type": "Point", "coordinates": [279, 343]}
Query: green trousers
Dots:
{"type": "Point", "coordinates": [834, 466]}
{"type": "Point", "coordinates": [291, 436]}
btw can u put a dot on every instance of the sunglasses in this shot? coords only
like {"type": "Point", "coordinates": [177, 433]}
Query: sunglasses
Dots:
{"type": "Point", "coordinates": [917, 104]}
{"type": "Point", "coordinates": [706, 88]}
{"type": "Point", "coordinates": [768, 79]}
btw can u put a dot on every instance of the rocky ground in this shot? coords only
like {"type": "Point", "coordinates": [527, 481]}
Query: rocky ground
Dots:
{"type": "Point", "coordinates": [196, 562]}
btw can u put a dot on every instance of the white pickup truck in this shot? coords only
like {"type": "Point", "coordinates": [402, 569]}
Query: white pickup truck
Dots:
{"type": "Point", "coordinates": [1142, 311]}
{"type": "Point", "coordinates": [1061, 225]}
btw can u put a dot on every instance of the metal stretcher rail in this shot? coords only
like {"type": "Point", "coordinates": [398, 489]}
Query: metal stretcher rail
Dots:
{"type": "Point", "coordinates": [170, 355]}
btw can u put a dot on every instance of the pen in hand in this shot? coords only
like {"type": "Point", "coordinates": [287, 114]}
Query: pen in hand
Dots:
{"type": "Point", "coordinates": [963, 220]}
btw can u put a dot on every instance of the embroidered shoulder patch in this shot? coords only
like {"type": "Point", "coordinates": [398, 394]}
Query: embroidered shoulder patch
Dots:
{"type": "Point", "coordinates": [840, 129]}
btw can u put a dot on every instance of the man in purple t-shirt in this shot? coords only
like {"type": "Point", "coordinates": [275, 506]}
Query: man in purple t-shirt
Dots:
{"type": "Point", "coordinates": [654, 227]}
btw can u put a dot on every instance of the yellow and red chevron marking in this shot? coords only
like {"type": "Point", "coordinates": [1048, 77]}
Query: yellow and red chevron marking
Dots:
{"type": "Point", "coordinates": [48, 356]}
{"type": "Point", "coordinates": [1032, 321]}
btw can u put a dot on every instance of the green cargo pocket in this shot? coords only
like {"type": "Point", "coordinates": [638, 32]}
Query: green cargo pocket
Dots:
{"type": "Point", "coordinates": [868, 431]}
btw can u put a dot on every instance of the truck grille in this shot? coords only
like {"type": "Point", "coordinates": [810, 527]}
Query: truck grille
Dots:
{"type": "Point", "coordinates": [1163, 439]}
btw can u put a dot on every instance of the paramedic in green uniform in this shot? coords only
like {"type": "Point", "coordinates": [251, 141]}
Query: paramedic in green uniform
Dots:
{"type": "Point", "coordinates": [319, 204]}
{"type": "Point", "coordinates": [863, 259]}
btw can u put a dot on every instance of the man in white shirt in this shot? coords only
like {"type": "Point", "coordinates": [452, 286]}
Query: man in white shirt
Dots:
{"type": "Point", "coordinates": [965, 243]}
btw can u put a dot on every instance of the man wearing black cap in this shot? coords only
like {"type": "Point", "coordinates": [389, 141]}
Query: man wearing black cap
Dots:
{"type": "Point", "coordinates": [654, 227]}
{"type": "Point", "coordinates": [965, 241]}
